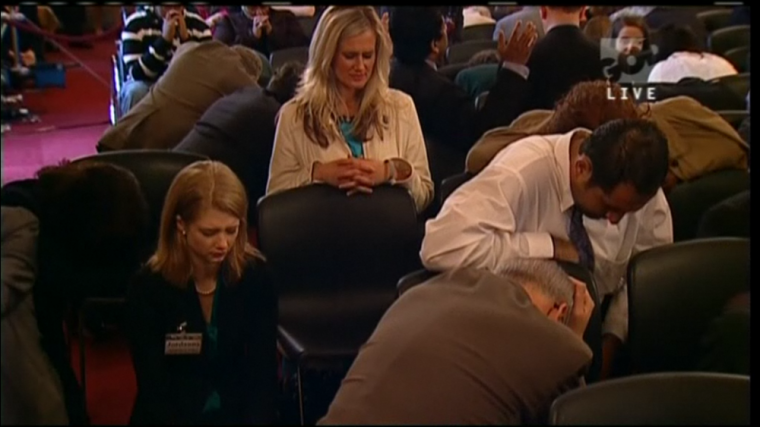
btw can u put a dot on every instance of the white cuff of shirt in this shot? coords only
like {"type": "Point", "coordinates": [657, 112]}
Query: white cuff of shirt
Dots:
{"type": "Point", "coordinates": [520, 69]}
{"type": "Point", "coordinates": [614, 325]}
{"type": "Point", "coordinates": [540, 245]}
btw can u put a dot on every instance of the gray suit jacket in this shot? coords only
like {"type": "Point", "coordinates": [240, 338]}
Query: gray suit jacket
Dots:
{"type": "Point", "coordinates": [466, 347]}
{"type": "Point", "coordinates": [31, 390]}
{"type": "Point", "coordinates": [527, 14]}
{"type": "Point", "coordinates": [198, 75]}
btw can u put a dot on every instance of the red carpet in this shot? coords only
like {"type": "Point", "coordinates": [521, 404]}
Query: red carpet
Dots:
{"type": "Point", "coordinates": [111, 383]}
{"type": "Point", "coordinates": [71, 119]}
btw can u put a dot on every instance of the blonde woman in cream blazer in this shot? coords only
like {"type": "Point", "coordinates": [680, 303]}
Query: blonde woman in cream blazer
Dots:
{"type": "Point", "coordinates": [379, 141]}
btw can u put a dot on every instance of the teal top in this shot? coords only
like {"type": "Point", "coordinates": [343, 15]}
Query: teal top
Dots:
{"type": "Point", "coordinates": [214, 401]}
{"type": "Point", "coordinates": [478, 79]}
{"type": "Point", "coordinates": [356, 146]}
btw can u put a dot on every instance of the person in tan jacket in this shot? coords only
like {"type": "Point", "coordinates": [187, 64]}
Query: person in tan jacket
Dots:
{"type": "Point", "coordinates": [699, 140]}
{"type": "Point", "coordinates": [470, 347]}
{"type": "Point", "coordinates": [198, 75]}
{"type": "Point", "coordinates": [346, 127]}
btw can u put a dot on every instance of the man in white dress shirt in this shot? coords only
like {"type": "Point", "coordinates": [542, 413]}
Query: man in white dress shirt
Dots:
{"type": "Point", "coordinates": [531, 200]}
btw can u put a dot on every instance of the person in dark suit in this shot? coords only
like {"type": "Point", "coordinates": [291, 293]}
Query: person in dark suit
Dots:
{"type": "Point", "coordinates": [261, 28]}
{"type": "Point", "coordinates": [238, 130]}
{"type": "Point", "coordinates": [562, 58]}
{"type": "Point", "coordinates": [447, 113]}
{"type": "Point", "coordinates": [85, 228]}
{"type": "Point", "coordinates": [202, 314]}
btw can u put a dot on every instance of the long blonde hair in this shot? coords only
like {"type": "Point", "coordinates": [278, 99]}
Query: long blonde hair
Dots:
{"type": "Point", "coordinates": [200, 186]}
{"type": "Point", "coordinates": [318, 98]}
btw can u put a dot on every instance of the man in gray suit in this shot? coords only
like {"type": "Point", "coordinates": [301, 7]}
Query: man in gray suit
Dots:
{"type": "Point", "coordinates": [527, 14]}
{"type": "Point", "coordinates": [31, 389]}
{"type": "Point", "coordinates": [198, 75]}
{"type": "Point", "coordinates": [471, 348]}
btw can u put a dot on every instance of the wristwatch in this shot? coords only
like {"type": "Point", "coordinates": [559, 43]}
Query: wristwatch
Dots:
{"type": "Point", "coordinates": [392, 172]}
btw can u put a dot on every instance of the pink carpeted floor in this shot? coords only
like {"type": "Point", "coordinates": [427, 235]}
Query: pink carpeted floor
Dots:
{"type": "Point", "coordinates": [71, 118]}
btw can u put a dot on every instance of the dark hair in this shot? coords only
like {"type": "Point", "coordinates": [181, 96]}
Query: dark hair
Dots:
{"type": "Point", "coordinates": [633, 151]}
{"type": "Point", "coordinates": [631, 21]}
{"type": "Point", "coordinates": [490, 56]}
{"type": "Point", "coordinates": [412, 31]}
{"type": "Point", "coordinates": [597, 28]}
{"type": "Point", "coordinates": [588, 105]}
{"type": "Point", "coordinates": [285, 81]}
{"type": "Point", "coordinates": [92, 205]}
{"type": "Point", "coordinates": [672, 39]}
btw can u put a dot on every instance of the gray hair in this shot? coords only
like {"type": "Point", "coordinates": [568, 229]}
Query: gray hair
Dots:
{"type": "Point", "coordinates": [250, 59]}
{"type": "Point", "coordinates": [544, 275]}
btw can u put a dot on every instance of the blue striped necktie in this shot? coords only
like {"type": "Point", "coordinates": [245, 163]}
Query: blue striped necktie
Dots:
{"type": "Point", "coordinates": [579, 237]}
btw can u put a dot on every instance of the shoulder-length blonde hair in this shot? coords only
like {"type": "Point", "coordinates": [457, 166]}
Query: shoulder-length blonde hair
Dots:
{"type": "Point", "coordinates": [200, 186]}
{"type": "Point", "coordinates": [317, 98]}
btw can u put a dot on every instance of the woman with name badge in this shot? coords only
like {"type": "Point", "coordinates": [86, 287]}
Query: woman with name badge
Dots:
{"type": "Point", "coordinates": [202, 313]}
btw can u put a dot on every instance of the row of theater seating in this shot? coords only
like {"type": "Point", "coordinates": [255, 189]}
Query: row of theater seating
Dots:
{"type": "Point", "coordinates": [731, 42]}
{"type": "Point", "coordinates": [674, 398]}
{"type": "Point", "coordinates": [337, 269]}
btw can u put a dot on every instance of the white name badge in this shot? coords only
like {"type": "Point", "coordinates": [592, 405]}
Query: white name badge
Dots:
{"type": "Point", "coordinates": [183, 344]}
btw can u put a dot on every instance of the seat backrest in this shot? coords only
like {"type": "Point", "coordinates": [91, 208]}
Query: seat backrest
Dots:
{"type": "Point", "coordinates": [713, 96]}
{"type": "Point", "coordinates": [462, 52]}
{"type": "Point", "coordinates": [734, 117]}
{"type": "Point", "coordinates": [728, 38]}
{"type": "Point", "coordinates": [739, 58]}
{"type": "Point", "coordinates": [450, 184]}
{"type": "Point", "coordinates": [155, 171]}
{"type": "Point", "coordinates": [280, 57]}
{"type": "Point", "coordinates": [688, 201]}
{"type": "Point", "coordinates": [674, 292]}
{"type": "Point", "coordinates": [478, 32]}
{"type": "Point", "coordinates": [688, 398]}
{"type": "Point", "coordinates": [728, 218]}
{"type": "Point", "coordinates": [593, 334]}
{"type": "Point", "coordinates": [443, 161]}
{"type": "Point", "coordinates": [737, 83]}
{"type": "Point", "coordinates": [317, 240]}
{"type": "Point", "coordinates": [715, 19]}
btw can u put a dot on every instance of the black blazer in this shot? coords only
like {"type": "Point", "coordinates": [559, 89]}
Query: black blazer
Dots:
{"type": "Point", "coordinates": [447, 113]}
{"type": "Point", "coordinates": [173, 389]}
{"type": "Point", "coordinates": [561, 59]}
{"type": "Point", "coordinates": [238, 130]}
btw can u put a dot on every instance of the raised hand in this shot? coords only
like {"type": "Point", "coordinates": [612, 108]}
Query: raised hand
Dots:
{"type": "Point", "coordinates": [518, 47]}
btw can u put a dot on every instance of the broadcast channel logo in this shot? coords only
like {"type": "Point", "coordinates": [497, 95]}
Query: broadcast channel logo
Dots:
{"type": "Point", "coordinates": [629, 71]}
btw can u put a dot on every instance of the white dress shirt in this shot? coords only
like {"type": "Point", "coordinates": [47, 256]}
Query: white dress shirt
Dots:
{"type": "Point", "coordinates": [706, 66]}
{"type": "Point", "coordinates": [519, 201]}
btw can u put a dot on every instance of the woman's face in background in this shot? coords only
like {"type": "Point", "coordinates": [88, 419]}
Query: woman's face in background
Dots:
{"type": "Point", "coordinates": [630, 40]}
{"type": "Point", "coordinates": [355, 60]}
